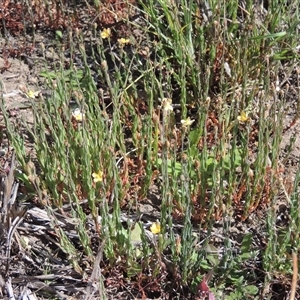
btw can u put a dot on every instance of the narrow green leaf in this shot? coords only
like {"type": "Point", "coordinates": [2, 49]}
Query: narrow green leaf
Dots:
{"type": "Point", "coordinates": [59, 34]}
{"type": "Point", "coordinates": [246, 243]}
{"type": "Point", "coordinates": [135, 235]}
{"type": "Point", "coordinates": [269, 36]}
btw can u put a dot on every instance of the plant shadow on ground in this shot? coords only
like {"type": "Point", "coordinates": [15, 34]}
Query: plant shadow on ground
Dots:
{"type": "Point", "coordinates": [152, 167]}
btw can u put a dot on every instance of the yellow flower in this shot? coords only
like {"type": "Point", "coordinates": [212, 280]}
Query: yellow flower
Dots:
{"type": "Point", "coordinates": [97, 177]}
{"type": "Point", "coordinates": [31, 94]}
{"type": "Point", "coordinates": [155, 228]}
{"type": "Point", "coordinates": [123, 41]}
{"type": "Point", "coordinates": [243, 117]}
{"type": "Point", "coordinates": [167, 105]}
{"type": "Point", "coordinates": [188, 122]}
{"type": "Point", "coordinates": [105, 33]}
{"type": "Point", "coordinates": [78, 115]}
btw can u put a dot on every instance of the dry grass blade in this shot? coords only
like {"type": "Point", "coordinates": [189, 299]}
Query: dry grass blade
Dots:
{"type": "Point", "coordinates": [14, 225]}
{"type": "Point", "coordinates": [295, 276]}
{"type": "Point", "coordinates": [94, 284]}
{"type": "Point", "coordinates": [10, 289]}
{"type": "Point", "coordinates": [27, 294]}
{"type": "Point", "coordinates": [10, 218]}
{"type": "Point", "coordinates": [8, 185]}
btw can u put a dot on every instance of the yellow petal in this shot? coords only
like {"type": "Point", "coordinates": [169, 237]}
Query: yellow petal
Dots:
{"type": "Point", "coordinates": [187, 122]}
{"type": "Point", "coordinates": [123, 41]}
{"type": "Point", "coordinates": [105, 33]}
{"type": "Point", "coordinates": [167, 105]}
{"type": "Point", "coordinates": [97, 177]}
{"type": "Point", "coordinates": [78, 115]}
{"type": "Point", "coordinates": [243, 117]}
{"type": "Point", "coordinates": [155, 228]}
{"type": "Point", "coordinates": [31, 94]}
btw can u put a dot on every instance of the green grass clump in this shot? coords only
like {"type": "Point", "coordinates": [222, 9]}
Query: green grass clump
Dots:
{"type": "Point", "coordinates": [127, 132]}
